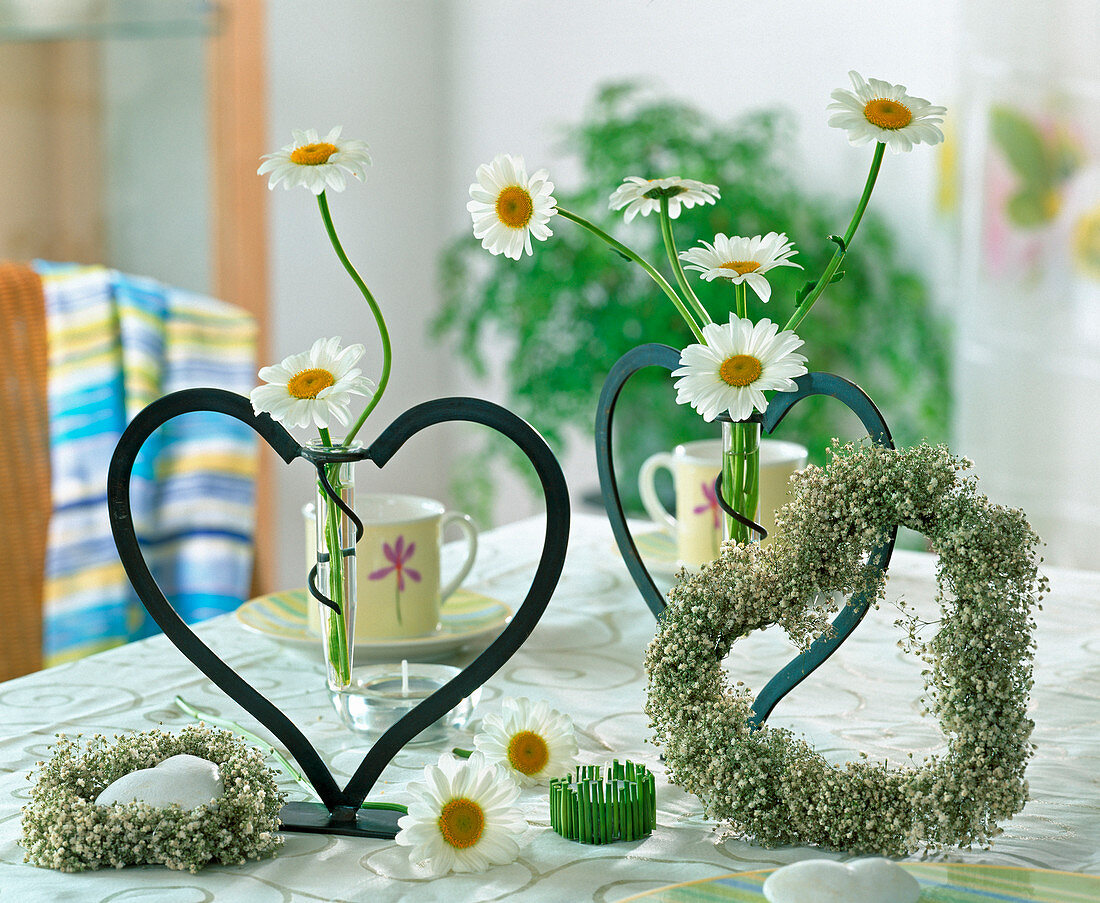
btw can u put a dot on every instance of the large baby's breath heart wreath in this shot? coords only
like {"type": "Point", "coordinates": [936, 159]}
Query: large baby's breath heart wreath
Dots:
{"type": "Point", "coordinates": [771, 786]}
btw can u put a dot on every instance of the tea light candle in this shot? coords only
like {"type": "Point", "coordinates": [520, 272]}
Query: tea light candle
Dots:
{"type": "Point", "coordinates": [380, 695]}
{"type": "Point", "coordinates": [401, 691]}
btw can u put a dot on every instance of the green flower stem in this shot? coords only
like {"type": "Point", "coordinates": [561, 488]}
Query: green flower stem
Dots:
{"type": "Point", "coordinates": [387, 354]}
{"type": "Point", "coordinates": [677, 269]}
{"type": "Point", "coordinates": [741, 469]}
{"type": "Point", "coordinates": [644, 264]}
{"type": "Point", "coordinates": [834, 264]}
{"type": "Point", "coordinates": [752, 476]}
{"type": "Point", "coordinates": [391, 807]}
{"type": "Point", "coordinates": [337, 634]}
{"type": "Point", "coordinates": [462, 753]}
{"type": "Point", "coordinates": [741, 479]}
{"type": "Point", "coordinates": [266, 748]}
{"type": "Point", "coordinates": [731, 489]}
{"type": "Point", "coordinates": [271, 752]}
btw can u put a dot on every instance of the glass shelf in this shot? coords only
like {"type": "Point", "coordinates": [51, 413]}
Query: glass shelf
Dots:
{"type": "Point", "coordinates": [23, 21]}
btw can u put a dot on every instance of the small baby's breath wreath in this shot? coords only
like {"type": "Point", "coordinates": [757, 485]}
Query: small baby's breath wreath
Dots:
{"type": "Point", "coordinates": [64, 829]}
{"type": "Point", "coordinates": [769, 785]}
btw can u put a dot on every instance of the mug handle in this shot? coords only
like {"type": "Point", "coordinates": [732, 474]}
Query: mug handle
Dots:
{"type": "Point", "coordinates": [647, 489]}
{"type": "Point", "coordinates": [468, 528]}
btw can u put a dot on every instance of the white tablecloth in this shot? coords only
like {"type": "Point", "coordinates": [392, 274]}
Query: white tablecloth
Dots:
{"type": "Point", "coordinates": [585, 658]}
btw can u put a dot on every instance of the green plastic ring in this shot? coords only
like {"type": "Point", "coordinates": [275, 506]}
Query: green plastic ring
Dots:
{"type": "Point", "coordinates": [588, 809]}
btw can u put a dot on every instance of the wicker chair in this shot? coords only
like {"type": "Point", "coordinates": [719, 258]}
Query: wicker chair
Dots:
{"type": "Point", "coordinates": [24, 469]}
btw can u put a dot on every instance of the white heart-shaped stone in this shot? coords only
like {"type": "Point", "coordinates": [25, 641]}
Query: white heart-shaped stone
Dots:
{"type": "Point", "coordinates": [825, 881]}
{"type": "Point", "coordinates": [186, 780]}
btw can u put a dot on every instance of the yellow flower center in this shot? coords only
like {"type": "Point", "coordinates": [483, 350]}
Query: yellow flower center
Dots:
{"type": "Point", "coordinates": [887, 114]}
{"type": "Point", "coordinates": [740, 370]}
{"type": "Point", "coordinates": [528, 752]}
{"type": "Point", "coordinates": [309, 383]}
{"type": "Point", "coordinates": [741, 267]}
{"type": "Point", "coordinates": [515, 207]}
{"type": "Point", "coordinates": [461, 822]}
{"type": "Point", "coordinates": [313, 154]}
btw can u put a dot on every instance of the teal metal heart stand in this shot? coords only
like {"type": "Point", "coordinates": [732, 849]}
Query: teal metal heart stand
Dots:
{"type": "Point", "coordinates": [846, 392]}
{"type": "Point", "coordinates": [339, 811]}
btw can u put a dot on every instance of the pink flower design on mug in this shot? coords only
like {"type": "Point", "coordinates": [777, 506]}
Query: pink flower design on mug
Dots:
{"type": "Point", "coordinates": [398, 555]}
{"type": "Point", "coordinates": [711, 505]}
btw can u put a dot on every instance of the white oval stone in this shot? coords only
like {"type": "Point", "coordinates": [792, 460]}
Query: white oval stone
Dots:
{"type": "Point", "coordinates": [825, 881]}
{"type": "Point", "coordinates": [186, 780]}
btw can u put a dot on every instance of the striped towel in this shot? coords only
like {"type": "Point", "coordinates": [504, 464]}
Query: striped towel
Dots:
{"type": "Point", "coordinates": [117, 343]}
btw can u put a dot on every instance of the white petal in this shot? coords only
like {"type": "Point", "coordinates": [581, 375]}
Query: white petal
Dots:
{"type": "Point", "coordinates": [760, 285]}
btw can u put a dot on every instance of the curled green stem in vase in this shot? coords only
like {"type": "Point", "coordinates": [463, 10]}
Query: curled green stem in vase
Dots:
{"type": "Point", "coordinates": [338, 590]}
{"type": "Point", "coordinates": [338, 647]}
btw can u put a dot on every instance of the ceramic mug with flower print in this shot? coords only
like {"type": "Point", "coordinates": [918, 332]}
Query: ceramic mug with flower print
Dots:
{"type": "Point", "coordinates": [697, 525]}
{"type": "Point", "coordinates": [398, 562]}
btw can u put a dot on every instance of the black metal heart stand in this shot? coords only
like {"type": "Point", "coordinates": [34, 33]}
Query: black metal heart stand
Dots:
{"type": "Point", "coordinates": [339, 812]}
{"type": "Point", "coordinates": [848, 393]}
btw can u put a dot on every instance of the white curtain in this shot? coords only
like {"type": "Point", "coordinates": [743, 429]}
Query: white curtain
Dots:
{"type": "Point", "coordinates": [1028, 297]}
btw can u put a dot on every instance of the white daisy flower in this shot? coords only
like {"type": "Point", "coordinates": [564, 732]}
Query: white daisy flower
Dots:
{"type": "Point", "coordinates": [742, 259]}
{"type": "Point", "coordinates": [317, 163]}
{"type": "Point", "coordinates": [531, 740]}
{"type": "Point", "coordinates": [314, 385]}
{"type": "Point", "coordinates": [508, 207]}
{"type": "Point", "coordinates": [879, 111]}
{"type": "Point", "coordinates": [643, 196]}
{"type": "Point", "coordinates": [738, 364]}
{"type": "Point", "coordinates": [462, 818]}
